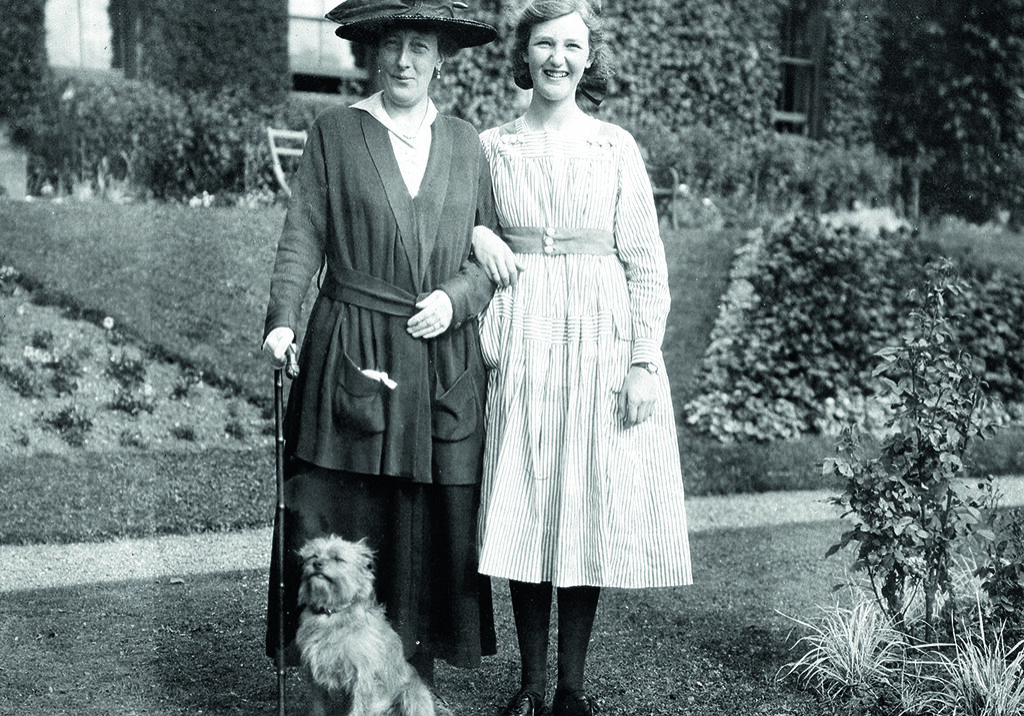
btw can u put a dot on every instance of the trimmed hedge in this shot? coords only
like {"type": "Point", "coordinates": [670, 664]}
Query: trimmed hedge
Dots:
{"type": "Point", "coordinates": [202, 46]}
{"type": "Point", "coordinates": [22, 53]}
{"type": "Point", "coordinates": [810, 303]}
{"type": "Point", "coordinates": [149, 141]}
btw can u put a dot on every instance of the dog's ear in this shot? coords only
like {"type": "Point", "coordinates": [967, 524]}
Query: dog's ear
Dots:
{"type": "Point", "coordinates": [365, 554]}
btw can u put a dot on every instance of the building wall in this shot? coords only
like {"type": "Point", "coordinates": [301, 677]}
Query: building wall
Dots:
{"type": "Point", "coordinates": [78, 36]}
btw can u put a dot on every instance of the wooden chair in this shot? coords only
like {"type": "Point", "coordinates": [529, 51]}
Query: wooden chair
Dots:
{"type": "Point", "coordinates": [287, 144]}
{"type": "Point", "coordinates": [667, 196]}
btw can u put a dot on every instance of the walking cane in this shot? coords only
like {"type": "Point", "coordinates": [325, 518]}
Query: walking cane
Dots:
{"type": "Point", "coordinates": [291, 369]}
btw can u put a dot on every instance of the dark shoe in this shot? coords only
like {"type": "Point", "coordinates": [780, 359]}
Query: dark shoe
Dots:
{"type": "Point", "coordinates": [525, 703]}
{"type": "Point", "coordinates": [572, 704]}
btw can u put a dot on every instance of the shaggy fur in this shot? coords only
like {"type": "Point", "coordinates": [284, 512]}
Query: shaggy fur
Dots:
{"type": "Point", "coordinates": [353, 657]}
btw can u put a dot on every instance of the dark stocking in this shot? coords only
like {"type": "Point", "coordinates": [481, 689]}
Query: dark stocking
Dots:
{"type": "Point", "coordinates": [577, 607]}
{"type": "Point", "coordinates": [531, 607]}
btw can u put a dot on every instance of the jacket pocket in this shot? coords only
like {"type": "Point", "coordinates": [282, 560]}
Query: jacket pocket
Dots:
{"type": "Point", "coordinates": [454, 412]}
{"type": "Point", "coordinates": [358, 400]}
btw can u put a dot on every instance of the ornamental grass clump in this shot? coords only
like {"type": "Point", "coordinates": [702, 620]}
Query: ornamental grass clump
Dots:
{"type": "Point", "coordinates": [910, 509]}
{"type": "Point", "coordinates": [853, 656]}
{"type": "Point", "coordinates": [980, 677]}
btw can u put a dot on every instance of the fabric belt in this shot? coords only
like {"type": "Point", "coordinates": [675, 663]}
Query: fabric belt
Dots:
{"type": "Point", "coordinates": [367, 291]}
{"type": "Point", "coordinates": [555, 241]}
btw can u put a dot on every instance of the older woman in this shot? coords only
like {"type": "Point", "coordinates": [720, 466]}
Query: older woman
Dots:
{"type": "Point", "coordinates": [384, 424]}
{"type": "Point", "coordinates": [582, 485]}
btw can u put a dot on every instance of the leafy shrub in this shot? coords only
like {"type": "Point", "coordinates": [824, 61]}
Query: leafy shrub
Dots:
{"type": "Point", "coordinates": [184, 432]}
{"type": "Point", "coordinates": [42, 339]}
{"type": "Point", "coordinates": [90, 133]}
{"type": "Point", "coordinates": [127, 371]}
{"type": "Point", "coordinates": [766, 174]}
{"type": "Point", "coordinates": [1002, 572]}
{"type": "Point", "coordinates": [67, 369]}
{"type": "Point", "coordinates": [25, 381]}
{"type": "Point", "coordinates": [125, 137]}
{"type": "Point", "coordinates": [128, 402]}
{"type": "Point", "coordinates": [72, 422]}
{"type": "Point", "coordinates": [810, 302]}
{"type": "Point", "coordinates": [807, 306]}
{"type": "Point", "coordinates": [910, 513]}
{"type": "Point", "coordinates": [962, 62]}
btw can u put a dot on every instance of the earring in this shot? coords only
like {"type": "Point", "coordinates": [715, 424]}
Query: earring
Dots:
{"type": "Point", "coordinates": [437, 72]}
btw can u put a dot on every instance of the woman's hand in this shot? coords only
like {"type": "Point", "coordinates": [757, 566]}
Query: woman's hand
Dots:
{"type": "Point", "coordinates": [495, 256]}
{"type": "Point", "coordinates": [434, 317]}
{"type": "Point", "coordinates": [637, 396]}
{"type": "Point", "coordinates": [277, 344]}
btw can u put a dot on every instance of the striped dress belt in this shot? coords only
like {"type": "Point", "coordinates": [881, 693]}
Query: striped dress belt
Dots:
{"type": "Point", "coordinates": [555, 241]}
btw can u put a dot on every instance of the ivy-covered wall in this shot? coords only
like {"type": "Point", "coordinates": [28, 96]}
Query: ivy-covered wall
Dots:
{"type": "Point", "coordinates": [852, 69]}
{"type": "Point", "coordinates": [681, 64]}
{"type": "Point", "coordinates": [678, 63]}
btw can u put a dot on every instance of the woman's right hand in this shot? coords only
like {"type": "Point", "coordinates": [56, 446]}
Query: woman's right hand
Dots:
{"type": "Point", "coordinates": [277, 344]}
{"type": "Point", "coordinates": [496, 257]}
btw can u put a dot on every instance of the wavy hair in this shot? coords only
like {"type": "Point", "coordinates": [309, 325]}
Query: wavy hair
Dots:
{"type": "Point", "coordinates": [594, 82]}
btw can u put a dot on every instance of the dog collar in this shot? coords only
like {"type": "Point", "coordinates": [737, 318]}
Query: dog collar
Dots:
{"type": "Point", "coordinates": [323, 611]}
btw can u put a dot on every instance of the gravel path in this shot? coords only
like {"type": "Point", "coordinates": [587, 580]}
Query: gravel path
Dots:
{"type": "Point", "coordinates": [174, 558]}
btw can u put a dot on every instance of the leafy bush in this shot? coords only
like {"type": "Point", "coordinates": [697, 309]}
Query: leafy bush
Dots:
{"type": "Point", "coordinates": [129, 372]}
{"type": "Point", "coordinates": [73, 423]}
{"type": "Point", "coordinates": [809, 304]}
{"type": "Point", "coordinates": [755, 176]}
{"type": "Point", "coordinates": [138, 138]}
{"type": "Point", "coordinates": [910, 512]}
{"type": "Point", "coordinates": [1002, 572]}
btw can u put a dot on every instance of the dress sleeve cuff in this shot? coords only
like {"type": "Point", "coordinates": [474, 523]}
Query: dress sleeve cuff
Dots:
{"type": "Point", "coordinates": [646, 350]}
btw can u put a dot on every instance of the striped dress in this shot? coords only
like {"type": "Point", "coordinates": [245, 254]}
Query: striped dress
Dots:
{"type": "Point", "coordinates": [570, 496]}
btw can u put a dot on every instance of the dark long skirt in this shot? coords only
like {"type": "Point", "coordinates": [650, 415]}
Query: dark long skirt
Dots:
{"type": "Point", "coordinates": [424, 539]}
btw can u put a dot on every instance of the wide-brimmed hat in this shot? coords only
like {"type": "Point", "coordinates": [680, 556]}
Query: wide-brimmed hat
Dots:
{"type": "Point", "coordinates": [364, 20]}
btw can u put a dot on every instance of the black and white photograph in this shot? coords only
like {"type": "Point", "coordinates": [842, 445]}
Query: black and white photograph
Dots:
{"type": "Point", "coordinates": [512, 357]}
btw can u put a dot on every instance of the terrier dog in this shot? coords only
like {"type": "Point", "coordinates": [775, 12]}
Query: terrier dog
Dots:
{"type": "Point", "coordinates": [352, 655]}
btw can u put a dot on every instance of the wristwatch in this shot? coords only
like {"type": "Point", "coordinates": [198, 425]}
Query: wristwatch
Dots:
{"type": "Point", "coordinates": [651, 368]}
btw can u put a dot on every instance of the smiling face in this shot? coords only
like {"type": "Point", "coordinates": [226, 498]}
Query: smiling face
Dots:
{"type": "Point", "coordinates": [407, 59]}
{"type": "Point", "coordinates": [557, 54]}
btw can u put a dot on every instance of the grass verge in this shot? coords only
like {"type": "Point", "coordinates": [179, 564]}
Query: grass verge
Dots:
{"type": "Point", "coordinates": [91, 497]}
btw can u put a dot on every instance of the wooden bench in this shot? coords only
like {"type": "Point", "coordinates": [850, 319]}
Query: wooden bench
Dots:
{"type": "Point", "coordinates": [286, 146]}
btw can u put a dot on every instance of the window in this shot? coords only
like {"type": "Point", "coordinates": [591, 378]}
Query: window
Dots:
{"type": "Point", "coordinates": [802, 43]}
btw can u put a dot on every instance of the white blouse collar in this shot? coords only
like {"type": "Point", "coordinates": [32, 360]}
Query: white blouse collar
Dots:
{"type": "Point", "coordinates": [374, 105]}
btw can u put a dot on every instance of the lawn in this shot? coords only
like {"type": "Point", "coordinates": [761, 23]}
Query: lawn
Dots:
{"type": "Point", "coordinates": [192, 284]}
{"type": "Point", "coordinates": [192, 646]}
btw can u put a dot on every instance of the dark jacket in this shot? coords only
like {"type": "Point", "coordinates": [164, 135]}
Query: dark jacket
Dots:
{"type": "Point", "coordinates": [385, 249]}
